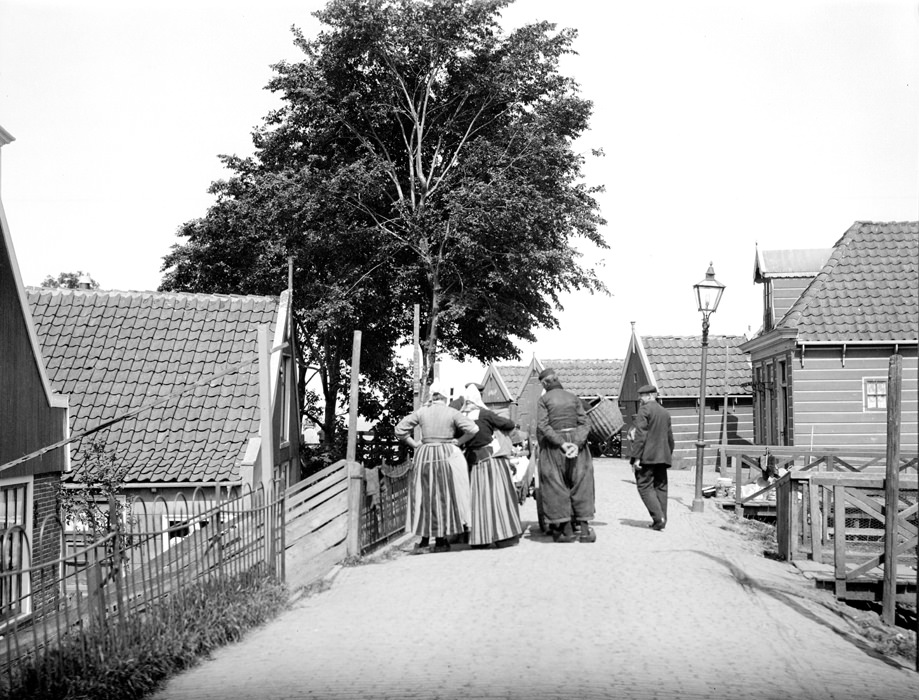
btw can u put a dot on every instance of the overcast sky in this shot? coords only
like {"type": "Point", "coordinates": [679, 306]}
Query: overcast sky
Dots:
{"type": "Point", "coordinates": [725, 125]}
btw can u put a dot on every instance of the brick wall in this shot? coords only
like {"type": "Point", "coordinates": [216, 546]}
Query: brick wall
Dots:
{"type": "Point", "coordinates": [46, 538]}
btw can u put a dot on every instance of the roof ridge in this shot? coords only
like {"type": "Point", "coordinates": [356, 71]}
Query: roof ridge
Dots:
{"type": "Point", "coordinates": [142, 293]}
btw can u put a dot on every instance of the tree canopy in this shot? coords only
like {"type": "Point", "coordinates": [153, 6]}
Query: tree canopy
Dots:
{"type": "Point", "coordinates": [69, 280]}
{"type": "Point", "coordinates": [421, 155]}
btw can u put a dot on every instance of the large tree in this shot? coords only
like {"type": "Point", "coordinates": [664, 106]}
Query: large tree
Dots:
{"type": "Point", "coordinates": [421, 155]}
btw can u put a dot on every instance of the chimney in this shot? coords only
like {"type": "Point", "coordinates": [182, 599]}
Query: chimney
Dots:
{"type": "Point", "coordinates": [84, 282]}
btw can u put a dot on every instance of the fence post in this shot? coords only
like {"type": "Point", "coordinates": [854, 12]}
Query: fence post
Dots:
{"type": "Point", "coordinates": [892, 490]}
{"type": "Point", "coordinates": [355, 471]}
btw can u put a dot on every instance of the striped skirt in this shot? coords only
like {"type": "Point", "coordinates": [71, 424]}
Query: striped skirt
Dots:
{"type": "Point", "coordinates": [495, 512]}
{"type": "Point", "coordinates": [439, 497]}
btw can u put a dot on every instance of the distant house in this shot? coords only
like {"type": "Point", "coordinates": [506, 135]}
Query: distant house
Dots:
{"type": "Point", "coordinates": [517, 387]}
{"type": "Point", "coordinates": [115, 352]}
{"type": "Point", "coordinates": [820, 373]}
{"type": "Point", "coordinates": [32, 416]}
{"type": "Point", "coordinates": [673, 364]}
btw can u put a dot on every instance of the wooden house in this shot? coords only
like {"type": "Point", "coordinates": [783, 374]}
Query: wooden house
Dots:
{"type": "Point", "coordinates": [32, 416]}
{"type": "Point", "coordinates": [820, 373]}
{"type": "Point", "coordinates": [115, 353]}
{"type": "Point", "coordinates": [674, 365]}
{"type": "Point", "coordinates": [517, 388]}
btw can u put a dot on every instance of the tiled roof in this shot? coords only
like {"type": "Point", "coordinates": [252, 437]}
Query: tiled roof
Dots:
{"type": "Point", "coordinates": [588, 377]}
{"type": "Point", "coordinates": [676, 362]}
{"type": "Point", "coordinates": [514, 377]}
{"type": "Point", "coordinates": [111, 352]}
{"type": "Point", "coordinates": [868, 289]}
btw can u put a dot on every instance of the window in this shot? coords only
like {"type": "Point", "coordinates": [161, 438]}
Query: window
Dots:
{"type": "Point", "coordinates": [875, 394]}
{"type": "Point", "coordinates": [15, 534]}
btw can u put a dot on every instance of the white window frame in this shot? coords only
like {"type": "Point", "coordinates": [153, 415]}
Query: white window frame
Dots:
{"type": "Point", "coordinates": [29, 513]}
{"type": "Point", "coordinates": [867, 396]}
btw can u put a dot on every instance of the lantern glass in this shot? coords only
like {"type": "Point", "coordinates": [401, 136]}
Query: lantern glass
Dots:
{"type": "Point", "coordinates": [708, 292]}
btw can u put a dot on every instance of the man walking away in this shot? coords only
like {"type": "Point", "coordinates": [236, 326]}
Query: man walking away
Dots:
{"type": "Point", "coordinates": [652, 454]}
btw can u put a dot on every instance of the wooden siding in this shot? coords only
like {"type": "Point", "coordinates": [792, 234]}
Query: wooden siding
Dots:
{"type": "Point", "coordinates": [526, 404]}
{"type": "Point", "coordinates": [785, 292]}
{"type": "Point", "coordinates": [492, 394]}
{"type": "Point", "coordinates": [685, 420]}
{"type": "Point", "coordinates": [829, 407]}
{"type": "Point", "coordinates": [27, 420]}
{"type": "Point", "coordinates": [633, 376]}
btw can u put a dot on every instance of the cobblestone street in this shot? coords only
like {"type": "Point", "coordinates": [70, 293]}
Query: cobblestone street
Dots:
{"type": "Point", "coordinates": [694, 611]}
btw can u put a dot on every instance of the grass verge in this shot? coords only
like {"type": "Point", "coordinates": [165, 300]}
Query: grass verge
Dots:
{"type": "Point", "coordinates": [129, 661]}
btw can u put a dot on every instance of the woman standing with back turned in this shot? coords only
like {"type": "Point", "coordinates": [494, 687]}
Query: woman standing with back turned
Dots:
{"type": "Point", "coordinates": [495, 511]}
{"type": "Point", "coordinates": [437, 509]}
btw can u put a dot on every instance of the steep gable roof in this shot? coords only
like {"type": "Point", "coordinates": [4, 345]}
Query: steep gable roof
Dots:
{"type": "Point", "coordinates": [676, 364]}
{"type": "Point", "coordinates": [515, 377]}
{"type": "Point", "coordinates": [868, 290]}
{"type": "Point", "coordinates": [112, 352]}
{"type": "Point", "coordinates": [588, 377]}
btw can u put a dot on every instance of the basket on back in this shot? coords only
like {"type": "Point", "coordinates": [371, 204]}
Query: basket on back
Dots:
{"type": "Point", "coordinates": [604, 419]}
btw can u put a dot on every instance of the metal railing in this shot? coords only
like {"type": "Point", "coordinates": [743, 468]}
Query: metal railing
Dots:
{"type": "Point", "coordinates": [383, 511]}
{"type": "Point", "coordinates": [96, 594]}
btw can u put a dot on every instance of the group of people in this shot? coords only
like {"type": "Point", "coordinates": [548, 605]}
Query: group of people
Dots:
{"type": "Point", "coordinates": [463, 484]}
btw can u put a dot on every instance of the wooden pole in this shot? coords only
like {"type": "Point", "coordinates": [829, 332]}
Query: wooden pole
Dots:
{"type": "Point", "coordinates": [266, 424]}
{"type": "Point", "coordinates": [724, 423]}
{"type": "Point", "coordinates": [416, 360]}
{"type": "Point", "coordinates": [266, 430]}
{"type": "Point", "coordinates": [355, 471]}
{"type": "Point", "coordinates": [892, 490]}
{"type": "Point", "coordinates": [416, 368]}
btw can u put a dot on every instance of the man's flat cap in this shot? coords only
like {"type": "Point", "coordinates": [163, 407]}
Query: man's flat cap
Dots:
{"type": "Point", "coordinates": [648, 389]}
{"type": "Point", "coordinates": [547, 372]}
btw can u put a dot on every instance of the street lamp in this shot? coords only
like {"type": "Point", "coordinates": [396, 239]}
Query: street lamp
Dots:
{"type": "Point", "coordinates": [708, 294]}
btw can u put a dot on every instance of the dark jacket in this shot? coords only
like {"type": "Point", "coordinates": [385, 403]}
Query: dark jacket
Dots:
{"type": "Point", "coordinates": [653, 442]}
{"type": "Point", "coordinates": [559, 410]}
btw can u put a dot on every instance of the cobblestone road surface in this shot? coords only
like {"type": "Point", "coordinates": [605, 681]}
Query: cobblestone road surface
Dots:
{"type": "Point", "coordinates": [694, 611]}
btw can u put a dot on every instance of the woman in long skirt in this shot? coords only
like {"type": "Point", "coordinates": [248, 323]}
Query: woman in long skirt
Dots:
{"type": "Point", "coordinates": [495, 509]}
{"type": "Point", "coordinates": [439, 498]}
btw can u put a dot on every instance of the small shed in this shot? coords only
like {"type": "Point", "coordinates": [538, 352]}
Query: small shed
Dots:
{"type": "Point", "coordinates": [674, 365]}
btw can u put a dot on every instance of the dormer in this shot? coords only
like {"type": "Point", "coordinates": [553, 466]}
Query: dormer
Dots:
{"type": "Point", "coordinates": [784, 275]}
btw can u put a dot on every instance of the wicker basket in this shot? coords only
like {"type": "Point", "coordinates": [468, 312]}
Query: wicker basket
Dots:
{"type": "Point", "coordinates": [604, 419]}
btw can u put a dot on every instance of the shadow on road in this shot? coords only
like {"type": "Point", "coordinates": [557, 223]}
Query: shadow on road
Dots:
{"type": "Point", "coordinates": [788, 598]}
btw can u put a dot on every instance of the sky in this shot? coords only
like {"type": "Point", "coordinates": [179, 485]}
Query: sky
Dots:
{"type": "Point", "coordinates": [725, 125]}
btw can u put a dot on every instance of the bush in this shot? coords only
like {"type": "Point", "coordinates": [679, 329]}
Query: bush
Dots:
{"type": "Point", "coordinates": [129, 661]}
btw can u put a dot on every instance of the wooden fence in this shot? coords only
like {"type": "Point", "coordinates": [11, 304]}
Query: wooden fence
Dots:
{"type": "Point", "coordinates": [830, 509]}
{"type": "Point", "coordinates": [109, 586]}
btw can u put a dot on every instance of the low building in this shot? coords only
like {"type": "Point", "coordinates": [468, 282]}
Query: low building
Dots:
{"type": "Point", "coordinates": [517, 388]}
{"type": "Point", "coordinates": [673, 364]}
{"type": "Point", "coordinates": [139, 363]}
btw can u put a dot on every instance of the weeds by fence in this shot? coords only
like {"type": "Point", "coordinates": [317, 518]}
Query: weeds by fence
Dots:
{"type": "Point", "coordinates": [108, 595]}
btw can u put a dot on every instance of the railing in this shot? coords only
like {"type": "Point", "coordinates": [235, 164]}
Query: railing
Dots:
{"type": "Point", "coordinates": [93, 596]}
{"type": "Point", "coordinates": [385, 501]}
{"type": "Point", "coordinates": [749, 459]}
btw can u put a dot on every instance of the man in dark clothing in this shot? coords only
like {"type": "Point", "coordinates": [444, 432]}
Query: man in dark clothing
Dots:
{"type": "Point", "coordinates": [652, 454]}
{"type": "Point", "coordinates": [566, 472]}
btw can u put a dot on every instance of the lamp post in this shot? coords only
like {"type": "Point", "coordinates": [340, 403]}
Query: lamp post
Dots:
{"type": "Point", "coordinates": [708, 294]}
